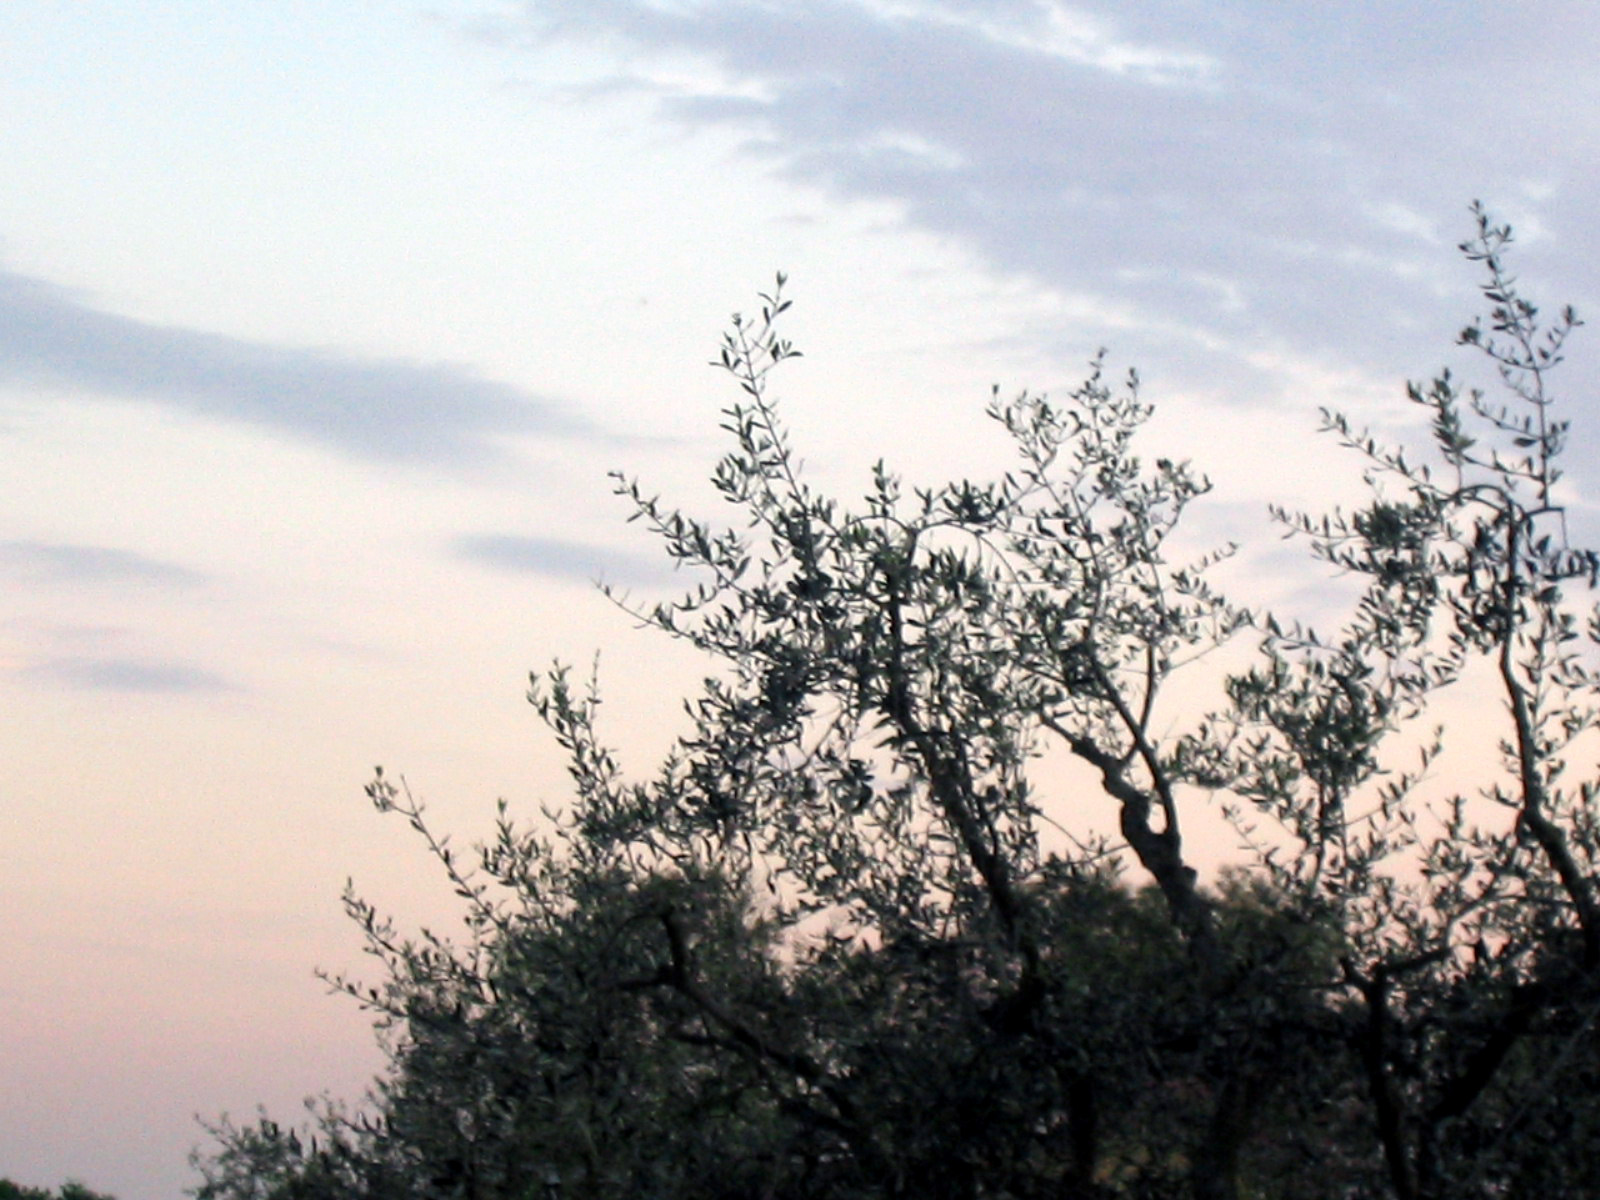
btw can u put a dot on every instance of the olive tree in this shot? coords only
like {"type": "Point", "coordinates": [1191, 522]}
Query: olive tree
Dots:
{"type": "Point", "coordinates": [837, 945]}
{"type": "Point", "coordinates": [1470, 920]}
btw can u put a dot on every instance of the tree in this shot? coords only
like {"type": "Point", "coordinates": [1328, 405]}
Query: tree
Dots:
{"type": "Point", "coordinates": [836, 947]}
{"type": "Point", "coordinates": [1471, 925]}
{"type": "Point", "coordinates": [71, 1190]}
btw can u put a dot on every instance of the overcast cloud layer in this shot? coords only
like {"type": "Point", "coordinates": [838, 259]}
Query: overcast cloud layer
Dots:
{"type": "Point", "coordinates": [1229, 179]}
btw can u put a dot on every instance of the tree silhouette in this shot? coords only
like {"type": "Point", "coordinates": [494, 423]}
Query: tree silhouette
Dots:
{"type": "Point", "coordinates": [836, 946]}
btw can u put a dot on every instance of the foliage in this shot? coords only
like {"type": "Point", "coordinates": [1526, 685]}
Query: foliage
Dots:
{"type": "Point", "coordinates": [838, 945]}
{"type": "Point", "coordinates": [71, 1190]}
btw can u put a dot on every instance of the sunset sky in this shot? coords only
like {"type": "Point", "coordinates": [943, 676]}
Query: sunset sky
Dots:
{"type": "Point", "coordinates": [321, 324]}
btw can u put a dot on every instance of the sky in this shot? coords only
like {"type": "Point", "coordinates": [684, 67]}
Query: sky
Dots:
{"type": "Point", "coordinates": [322, 323]}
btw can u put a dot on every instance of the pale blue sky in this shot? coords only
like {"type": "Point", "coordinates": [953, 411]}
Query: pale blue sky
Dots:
{"type": "Point", "coordinates": [321, 324]}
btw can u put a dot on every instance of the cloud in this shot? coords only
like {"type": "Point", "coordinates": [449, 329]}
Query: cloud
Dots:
{"type": "Point", "coordinates": [385, 409]}
{"type": "Point", "coordinates": [129, 675]}
{"type": "Point", "coordinates": [560, 559]}
{"type": "Point", "coordinates": [66, 563]}
{"type": "Point", "coordinates": [1239, 175]}
{"type": "Point", "coordinates": [101, 657]}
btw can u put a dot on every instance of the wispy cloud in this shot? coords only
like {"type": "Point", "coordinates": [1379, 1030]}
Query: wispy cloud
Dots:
{"type": "Point", "coordinates": [68, 563]}
{"type": "Point", "coordinates": [387, 409]}
{"type": "Point", "coordinates": [128, 675]}
{"type": "Point", "coordinates": [554, 558]}
{"type": "Point", "coordinates": [1235, 175]}
{"type": "Point", "coordinates": [102, 657]}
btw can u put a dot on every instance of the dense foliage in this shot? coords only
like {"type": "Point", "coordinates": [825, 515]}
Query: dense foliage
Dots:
{"type": "Point", "coordinates": [839, 944]}
{"type": "Point", "coordinates": [71, 1190]}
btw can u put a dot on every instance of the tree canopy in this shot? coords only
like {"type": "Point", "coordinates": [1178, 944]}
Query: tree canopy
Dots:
{"type": "Point", "coordinates": [840, 945]}
{"type": "Point", "coordinates": [71, 1190]}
